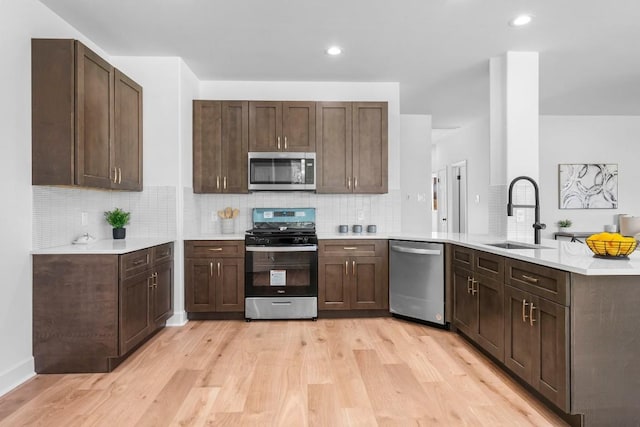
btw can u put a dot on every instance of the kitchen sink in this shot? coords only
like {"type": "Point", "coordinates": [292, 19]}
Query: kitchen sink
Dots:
{"type": "Point", "coordinates": [512, 245]}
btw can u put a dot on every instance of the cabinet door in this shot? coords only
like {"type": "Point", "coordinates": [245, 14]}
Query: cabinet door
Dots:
{"type": "Point", "coordinates": [207, 143]}
{"type": "Point", "coordinates": [135, 309]}
{"type": "Point", "coordinates": [464, 303]}
{"type": "Point", "coordinates": [334, 159]}
{"type": "Point", "coordinates": [265, 126]}
{"type": "Point", "coordinates": [94, 119]}
{"type": "Point", "coordinates": [199, 285]}
{"type": "Point", "coordinates": [550, 374]}
{"type": "Point", "coordinates": [518, 335]}
{"type": "Point", "coordinates": [162, 293]}
{"type": "Point", "coordinates": [127, 143]}
{"type": "Point", "coordinates": [299, 126]}
{"type": "Point", "coordinates": [368, 278]}
{"type": "Point", "coordinates": [234, 147]}
{"type": "Point", "coordinates": [333, 283]}
{"type": "Point", "coordinates": [370, 151]}
{"type": "Point", "coordinates": [490, 300]}
{"type": "Point", "coordinates": [229, 284]}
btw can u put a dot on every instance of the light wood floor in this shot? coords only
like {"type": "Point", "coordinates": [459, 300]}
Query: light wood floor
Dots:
{"type": "Point", "coordinates": [363, 372]}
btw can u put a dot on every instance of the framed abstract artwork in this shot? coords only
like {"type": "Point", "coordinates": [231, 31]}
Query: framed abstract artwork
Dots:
{"type": "Point", "coordinates": [588, 186]}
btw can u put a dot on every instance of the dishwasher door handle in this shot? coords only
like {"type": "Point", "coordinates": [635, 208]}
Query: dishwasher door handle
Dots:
{"type": "Point", "coordinates": [415, 250]}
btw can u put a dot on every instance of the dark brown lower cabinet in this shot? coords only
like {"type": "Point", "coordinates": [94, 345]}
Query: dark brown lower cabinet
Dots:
{"type": "Point", "coordinates": [214, 276]}
{"type": "Point", "coordinates": [357, 283]}
{"type": "Point", "coordinates": [90, 311]}
{"type": "Point", "coordinates": [478, 286]}
{"type": "Point", "coordinates": [353, 275]}
{"type": "Point", "coordinates": [478, 310]}
{"type": "Point", "coordinates": [536, 343]}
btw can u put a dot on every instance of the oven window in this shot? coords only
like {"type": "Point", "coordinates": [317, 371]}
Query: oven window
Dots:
{"type": "Point", "coordinates": [281, 269]}
{"type": "Point", "coordinates": [276, 171]}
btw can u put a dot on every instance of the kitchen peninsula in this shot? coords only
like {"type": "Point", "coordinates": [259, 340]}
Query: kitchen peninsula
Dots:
{"type": "Point", "coordinates": [561, 320]}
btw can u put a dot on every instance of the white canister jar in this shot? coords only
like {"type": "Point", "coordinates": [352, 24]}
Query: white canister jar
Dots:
{"type": "Point", "coordinates": [227, 225]}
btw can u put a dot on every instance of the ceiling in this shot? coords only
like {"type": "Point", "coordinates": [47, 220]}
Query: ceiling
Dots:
{"type": "Point", "coordinates": [438, 50]}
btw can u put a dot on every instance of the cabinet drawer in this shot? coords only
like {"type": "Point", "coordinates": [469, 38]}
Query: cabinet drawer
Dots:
{"type": "Point", "coordinates": [352, 247]}
{"type": "Point", "coordinates": [213, 248]}
{"type": "Point", "coordinates": [162, 253]}
{"type": "Point", "coordinates": [489, 265]}
{"type": "Point", "coordinates": [541, 281]}
{"type": "Point", "coordinates": [462, 256]}
{"type": "Point", "coordinates": [134, 263]}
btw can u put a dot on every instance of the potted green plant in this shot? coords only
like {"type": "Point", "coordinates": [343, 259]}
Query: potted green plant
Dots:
{"type": "Point", "coordinates": [564, 223]}
{"type": "Point", "coordinates": [118, 218]}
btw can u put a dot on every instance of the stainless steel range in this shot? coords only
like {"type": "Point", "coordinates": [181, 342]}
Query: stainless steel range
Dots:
{"type": "Point", "coordinates": [281, 265]}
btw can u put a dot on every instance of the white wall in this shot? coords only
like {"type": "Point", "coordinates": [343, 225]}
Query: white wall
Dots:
{"type": "Point", "coordinates": [415, 173]}
{"type": "Point", "coordinates": [20, 20]}
{"type": "Point", "coordinates": [589, 139]}
{"type": "Point", "coordinates": [470, 143]}
{"type": "Point", "coordinates": [188, 91]}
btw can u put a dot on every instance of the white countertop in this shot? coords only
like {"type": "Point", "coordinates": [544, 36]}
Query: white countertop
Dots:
{"type": "Point", "coordinates": [343, 236]}
{"type": "Point", "coordinates": [107, 246]}
{"type": "Point", "coordinates": [569, 256]}
{"type": "Point", "coordinates": [235, 236]}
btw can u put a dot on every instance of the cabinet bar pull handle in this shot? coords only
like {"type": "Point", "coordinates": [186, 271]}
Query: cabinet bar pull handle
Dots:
{"type": "Point", "coordinates": [349, 183]}
{"type": "Point", "coordinates": [278, 143]}
{"type": "Point", "coordinates": [531, 308]}
{"type": "Point", "coordinates": [353, 268]}
{"type": "Point", "coordinates": [474, 289]}
{"type": "Point", "coordinates": [529, 279]}
{"type": "Point", "coordinates": [355, 183]}
{"type": "Point", "coordinates": [211, 269]}
{"type": "Point", "coordinates": [215, 249]}
{"type": "Point", "coordinates": [156, 279]}
{"type": "Point", "coordinates": [218, 268]}
{"type": "Point", "coordinates": [217, 182]}
{"type": "Point", "coordinates": [149, 280]}
{"type": "Point", "coordinates": [346, 268]}
{"type": "Point", "coordinates": [224, 183]}
{"type": "Point", "coordinates": [119, 175]}
{"type": "Point", "coordinates": [138, 262]}
{"type": "Point", "coordinates": [469, 279]}
{"type": "Point", "coordinates": [524, 310]}
{"type": "Point", "coordinates": [350, 248]}
{"type": "Point", "coordinates": [285, 142]}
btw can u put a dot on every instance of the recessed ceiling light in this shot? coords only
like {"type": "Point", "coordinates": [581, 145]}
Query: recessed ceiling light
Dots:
{"type": "Point", "coordinates": [520, 20]}
{"type": "Point", "coordinates": [334, 50]}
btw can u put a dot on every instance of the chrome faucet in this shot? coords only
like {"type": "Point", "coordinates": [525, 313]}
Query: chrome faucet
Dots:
{"type": "Point", "coordinates": [537, 225]}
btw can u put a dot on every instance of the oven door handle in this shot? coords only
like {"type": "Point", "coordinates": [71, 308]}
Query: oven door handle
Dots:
{"type": "Point", "coordinates": [309, 248]}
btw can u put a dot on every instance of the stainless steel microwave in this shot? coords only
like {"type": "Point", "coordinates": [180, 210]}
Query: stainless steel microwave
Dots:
{"type": "Point", "coordinates": [282, 171]}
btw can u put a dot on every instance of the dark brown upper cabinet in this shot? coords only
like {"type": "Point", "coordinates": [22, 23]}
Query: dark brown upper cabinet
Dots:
{"type": "Point", "coordinates": [86, 119]}
{"type": "Point", "coordinates": [352, 147]}
{"type": "Point", "coordinates": [282, 126]}
{"type": "Point", "coordinates": [220, 145]}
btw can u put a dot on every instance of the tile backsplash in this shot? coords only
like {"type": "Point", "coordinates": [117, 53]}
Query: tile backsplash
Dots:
{"type": "Point", "coordinates": [57, 213]}
{"type": "Point", "coordinates": [331, 209]}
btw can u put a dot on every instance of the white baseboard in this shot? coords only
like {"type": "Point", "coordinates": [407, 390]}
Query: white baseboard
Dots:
{"type": "Point", "coordinates": [16, 375]}
{"type": "Point", "coordinates": [178, 319]}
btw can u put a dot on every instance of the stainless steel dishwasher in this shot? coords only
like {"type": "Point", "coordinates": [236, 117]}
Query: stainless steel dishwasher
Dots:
{"type": "Point", "coordinates": [416, 280]}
